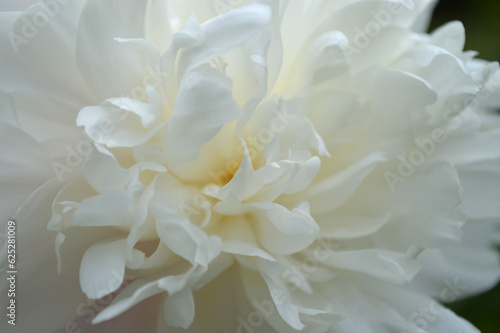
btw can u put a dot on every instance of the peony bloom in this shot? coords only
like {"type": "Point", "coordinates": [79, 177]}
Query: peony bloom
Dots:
{"type": "Point", "coordinates": [245, 166]}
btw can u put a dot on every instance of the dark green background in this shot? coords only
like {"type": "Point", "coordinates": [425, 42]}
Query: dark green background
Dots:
{"type": "Point", "coordinates": [482, 25]}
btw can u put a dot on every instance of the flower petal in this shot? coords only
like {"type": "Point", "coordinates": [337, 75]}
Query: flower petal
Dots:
{"type": "Point", "coordinates": [102, 268]}
{"type": "Point", "coordinates": [204, 104]}
{"type": "Point", "coordinates": [224, 33]}
{"type": "Point", "coordinates": [114, 207]}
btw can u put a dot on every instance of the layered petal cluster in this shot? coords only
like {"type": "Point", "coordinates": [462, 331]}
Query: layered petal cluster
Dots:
{"type": "Point", "coordinates": [268, 166]}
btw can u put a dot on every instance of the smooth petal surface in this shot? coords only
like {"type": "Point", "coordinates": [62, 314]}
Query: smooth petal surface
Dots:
{"type": "Point", "coordinates": [102, 268]}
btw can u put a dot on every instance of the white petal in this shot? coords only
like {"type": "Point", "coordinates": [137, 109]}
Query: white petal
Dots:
{"type": "Point", "coordinates": [451, 36]}
{"type": "Point", "coordinates": [184, 238]}
{"type": "Point", "coordinates": [36, 258]}
{"type": "Point", "coordinates": [25, 167]}
{"type": "Point", "coordinates": [344, 224]}
{"type": "Point", "coordinates": [100, 24]}
{"type": "Point", "coordinates": [114, 207]}
{"type": "Point", "coordinates": [103, 267]}
{"type": "Point", "coordinates": [179, 309]}
{"type": "Point", "coordinates": [223, 33]}
{"type": "Point", "coordinates": [328, 194]}
{"type": "Point", "coordinates": [386, 265]}
{"type": "Point", "coordinates": [145, 111]}
{"type": "Point", "coordinates": [230, 297]}
{"type": "Point", "coordinates": [204, 104]}
{"type": "Point", "coordinates": [103, 171]}
{"type": "Point", "coordinates": [281, 231]}
{"type": "Point", "coordinates": [115, 127]}
{"type": "Point", "coordinates": [147, 311]}
{"type": "Point", "coordinates": [131, 295]}
{"type": "Point", "coordinates": [460, 271]}
{"type": "Point", "coordinates": [239, 238]}
{"type": "Point", "coordinates": [369, 306]}
{"type": "Point", "coordinates": [29, 63]}
{"type": "Point", "coordinates": [481, 182]}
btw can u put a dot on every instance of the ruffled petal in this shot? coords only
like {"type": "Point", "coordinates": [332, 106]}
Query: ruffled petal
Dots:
{"type": "Point", "coordinates": [204, 104]}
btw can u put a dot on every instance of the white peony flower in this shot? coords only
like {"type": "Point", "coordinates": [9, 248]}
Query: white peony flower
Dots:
{"type": "Point", "coordinates": [245, 166]}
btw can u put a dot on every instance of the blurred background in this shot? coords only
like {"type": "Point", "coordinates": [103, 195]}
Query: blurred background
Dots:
{"type": "Point", "coordinates": [482, 26]}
